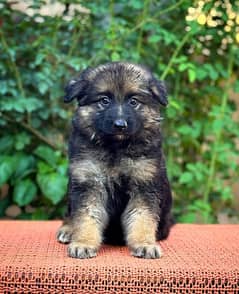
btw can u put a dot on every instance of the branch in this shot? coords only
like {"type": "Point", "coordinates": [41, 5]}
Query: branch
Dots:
{"type": "Point", "coordinates": [152, 19]}
{"type": "Point", "coordinates": [177, 50]}
{"type": "Point", "coordinates": [36, 133]}
{"type": "Point", "coordinates": [143, 16]}
{"type": "Point", "coordinates": [212, 166]}
{"type": "Point", "coordinates": [170, 8]}
{"type": "Point", "coordinates": [74, 42]}
{"type": "Point", "coordinates": [41, 137]}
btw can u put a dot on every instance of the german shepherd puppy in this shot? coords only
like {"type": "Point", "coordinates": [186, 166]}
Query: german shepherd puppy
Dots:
{"type": "Point", "coordinates": [118, 187]}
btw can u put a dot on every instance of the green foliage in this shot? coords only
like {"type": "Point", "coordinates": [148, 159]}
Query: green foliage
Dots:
{"type": "Point", "coordinates": [51, 176]}
{"type": "Point", "coordinates": [24, 192]}
{"type": "Point", "coordinates": [197, 58]}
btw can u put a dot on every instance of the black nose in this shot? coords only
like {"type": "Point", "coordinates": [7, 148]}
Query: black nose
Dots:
{"type": "Point", "coordinates": [120, 124]}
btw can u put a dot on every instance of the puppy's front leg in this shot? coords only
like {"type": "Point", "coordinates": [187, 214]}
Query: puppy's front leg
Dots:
{"type": "Point", "coordinates": [140, 225]}
{"type": "Point", "coordinates": [88, 195]}
{"type": "Point", "coordinates": [88, 225]}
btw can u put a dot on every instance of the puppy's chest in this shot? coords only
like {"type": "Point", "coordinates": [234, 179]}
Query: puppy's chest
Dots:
{"type": "Point", "coordinates": [117, 188]}
{"type": "Point", "coordinates": [140, 169]}
{"type": "Point", "coordinates": [114, 172]}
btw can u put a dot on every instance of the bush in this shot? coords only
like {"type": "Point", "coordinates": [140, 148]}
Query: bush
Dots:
{"type": "Point", "coordinates": [193, 48]}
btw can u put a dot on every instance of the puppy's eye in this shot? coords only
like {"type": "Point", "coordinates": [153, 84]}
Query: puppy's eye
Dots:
{"type": "Point", "coordinates": [104, 100]}
{"type": "Point", "coordinates": [134, 102]}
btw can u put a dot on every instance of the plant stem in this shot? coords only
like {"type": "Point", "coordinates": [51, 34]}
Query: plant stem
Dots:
{"type": "Point", "coordinates": [56, 29]}
{"type": "Point", "coordinates": [40, 136]}
{"type": "Point", "coordinates": [212, 166]}
{"type": "Point", "coordinates": [37, 134]}
{"type": "Point", "coordinates": [177, 50]}
{"type": "Point", "coordinates": [74, 42]}
{"type": "Point", "coordinates": [170, 8]}
{"type": "Point", "coordinates": [152, 19]}
{"type": "Point", "coordinates": [143, 17]}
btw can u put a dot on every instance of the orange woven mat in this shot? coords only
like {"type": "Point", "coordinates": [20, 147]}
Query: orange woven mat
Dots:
{"type": "Point", "coordinates": [197, 259]}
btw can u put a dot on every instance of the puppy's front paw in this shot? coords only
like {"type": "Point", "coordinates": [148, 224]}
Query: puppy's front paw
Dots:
{"type": "Point", "coordinates": [147, 251]}
{"type": "Point", "coordinates": [64, 234]}
{"type": "Point", "coordinates": [80, 250]}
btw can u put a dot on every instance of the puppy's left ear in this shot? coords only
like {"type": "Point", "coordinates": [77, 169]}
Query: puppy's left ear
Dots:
{"type": "Point", "coordinates": [75, 89]}
{"type": "Point", "coordinates": [159, 91]}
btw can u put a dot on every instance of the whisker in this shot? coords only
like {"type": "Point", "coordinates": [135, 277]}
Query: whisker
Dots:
{"type": "Point", "coordinates": [92, 137]}
{"type": "Point", "coordinates": [157, 118]}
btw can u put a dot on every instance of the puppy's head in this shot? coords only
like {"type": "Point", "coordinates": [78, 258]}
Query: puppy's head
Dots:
{"type": "Point", "coordinates": [117, 100]}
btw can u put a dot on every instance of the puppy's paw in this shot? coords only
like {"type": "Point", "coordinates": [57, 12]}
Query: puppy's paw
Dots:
{"type": "Point", "coordinates": [80, 250]}
{"type": "Point", "coordinates": [147, 251]}
{"type": "Point", "coordinates": [64, 234]}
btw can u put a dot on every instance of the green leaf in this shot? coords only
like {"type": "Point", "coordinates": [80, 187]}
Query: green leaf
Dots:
{"type": "Point", "coordinates": [189, 218]}
{"type": "Point", "coordinates": [6, 144]}
{"type": "Point", "coordinates": [43, 87]}
{"type": "Point", "coordinates": [47, 154]}
{"type": "Point", "coordinates": [115, 56]}
{"type": "Point", "coordinates": [199, 205]}
{"type": "Point", "coordinates": [175, 104]}
{"type": "Point", "coordinates": [21, 104]}
{"type": "Point", "coordinates": [63, 167]}
{"type": "Point", "coordinates": [22, 140]}
{"type": "Point", "coordinates": [201, 73]}
{"type": "Point", "coordinates": [185, 178]}
{"type": "Point", "coordinates": [32, 104]}
{"type": "Point", "coordinates": [154, 39]}
{"type": "Point", "coordinates": [40, 214]}
{"type": "Point", "coordinates": [11, 105]}
{"type": "Point", "coordinates": [212, 72]}
{"type": "Point", "coordinates": [40, 58]}
{"type": "Point", "coordinates": [24, 192]}
{"type": "Point", "coordinates": [227, 194]}
{"type": "Point", "coordinates": [221, 69]}
{"type": "Point", "coordinates": [53, 186]}
{"type": "Point", "coordinates": [185, 130]}
{"type": "Point", "coordinates": [136, 4]}
{"type": "Point", "coordinates": [24, 165]}
{"type": "Point", "coordinates": [44, 168]}
{"type": "Point", "coordinates": [7, 166]}
{"type": "Point", "coordinates": [192, 75]}
{"type": "Point", "coordinates": [75, 63]}
{"type": "Point", "coordinates": [183, 66]}
{"type": "Point", "coordinates": [217, 125]}
{"type": "Point", "coordinates": [236, 86]}
{"type": "Point", "coordinates": [3, 87]}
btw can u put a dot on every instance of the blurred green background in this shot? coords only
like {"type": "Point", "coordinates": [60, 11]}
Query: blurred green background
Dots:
{"type": "Point", "coordinates": [192, 45]}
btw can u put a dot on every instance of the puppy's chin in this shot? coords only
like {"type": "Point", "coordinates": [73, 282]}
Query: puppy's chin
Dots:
{"type": "Point", "coordinates": [117, 137]}
{"type": "Point", "coordinates": [120, 137]}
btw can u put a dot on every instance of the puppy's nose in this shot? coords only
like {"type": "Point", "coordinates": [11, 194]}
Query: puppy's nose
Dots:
{"type": "Point", "coordinates": [120, 124]}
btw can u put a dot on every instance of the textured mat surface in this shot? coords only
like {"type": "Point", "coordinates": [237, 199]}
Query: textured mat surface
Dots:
{"type": "Point", "coordinates": [197, 259]}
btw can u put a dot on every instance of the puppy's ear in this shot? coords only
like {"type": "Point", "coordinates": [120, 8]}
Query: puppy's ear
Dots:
{"type": "Point", "coordinates": [159, 91]}
{"type": "Point", "coordinates": [75, 89]}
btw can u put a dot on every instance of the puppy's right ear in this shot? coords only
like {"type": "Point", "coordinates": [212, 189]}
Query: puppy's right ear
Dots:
{"type": "Point", "coordinates": [75, 89]}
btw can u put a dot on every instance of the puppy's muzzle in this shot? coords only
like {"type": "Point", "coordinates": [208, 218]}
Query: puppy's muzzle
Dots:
{"type": "Point", "coordinates": [120, 124]}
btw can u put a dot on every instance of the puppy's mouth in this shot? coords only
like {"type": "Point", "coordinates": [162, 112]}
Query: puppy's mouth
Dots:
{"type": "Point", "coordinates": [118, 136]}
